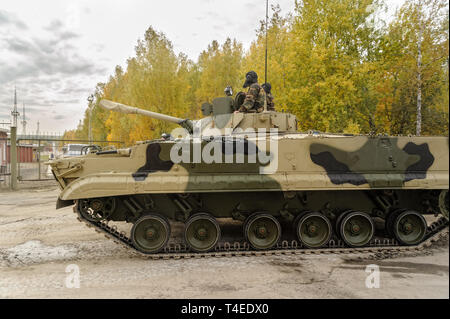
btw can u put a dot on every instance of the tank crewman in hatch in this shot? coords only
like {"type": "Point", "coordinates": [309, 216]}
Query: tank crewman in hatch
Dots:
{"type": "Point", "coordinates": [255, 98]}
{"type": "Point", "coordinates": [270, 99]}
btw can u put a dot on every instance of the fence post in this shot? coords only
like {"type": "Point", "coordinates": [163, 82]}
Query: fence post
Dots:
{"type": "Point", "coordinates": [13, 158]}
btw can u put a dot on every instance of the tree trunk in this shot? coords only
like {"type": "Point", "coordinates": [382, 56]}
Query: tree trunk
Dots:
{"type": "Point", "coordinates": [419, 84]}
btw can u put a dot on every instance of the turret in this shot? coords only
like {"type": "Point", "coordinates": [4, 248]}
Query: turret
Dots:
{"type": "Point", "coordinates": [220, 117]}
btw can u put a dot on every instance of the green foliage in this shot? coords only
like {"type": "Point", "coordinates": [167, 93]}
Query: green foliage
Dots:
{"type": "Point", "coordinates": [219, 67]}
{"type": "Point", "coordinates": [334, 64]}
{"type": "Point", "coordinates": [424, 25]}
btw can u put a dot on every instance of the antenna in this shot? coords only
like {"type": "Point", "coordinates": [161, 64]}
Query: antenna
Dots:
{"type": "Point", "coordinates": [267, 22]}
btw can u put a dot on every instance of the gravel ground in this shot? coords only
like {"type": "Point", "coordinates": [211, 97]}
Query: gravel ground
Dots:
{"type": "Point", "coordinates": [38, 244]}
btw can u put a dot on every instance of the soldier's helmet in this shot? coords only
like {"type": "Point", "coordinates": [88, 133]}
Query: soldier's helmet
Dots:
{"type": "Point", "coordinates": [250, 78]}
{"type": "Point", "coordinates": [267, 87]}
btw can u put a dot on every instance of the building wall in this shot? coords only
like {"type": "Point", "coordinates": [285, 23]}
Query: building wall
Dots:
{"type": "Point", "coordinates": [24, 154]}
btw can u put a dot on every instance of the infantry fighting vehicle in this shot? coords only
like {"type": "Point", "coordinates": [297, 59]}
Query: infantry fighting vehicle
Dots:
{"type": "Point", "coordinates": [288, 189]}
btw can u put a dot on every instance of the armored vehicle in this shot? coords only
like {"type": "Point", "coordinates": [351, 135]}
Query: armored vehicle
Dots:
{"type": "Point", "coordinates": [289, 190]}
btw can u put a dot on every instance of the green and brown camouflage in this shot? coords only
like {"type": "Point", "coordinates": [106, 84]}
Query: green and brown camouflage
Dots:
{"type": "Point", "coordinates": [233, 164]}
{"type": "Point", "coordinates": [270, 102]}
{"type": "Point", "coordinates": [255, 98]}
{"type": "Point", "coordinates": [306, 161]}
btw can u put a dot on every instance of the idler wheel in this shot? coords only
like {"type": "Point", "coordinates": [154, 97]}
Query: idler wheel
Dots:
{"type": "Point", "coordinates": [356, 229]}
{"type": "Point", "coordinates": [410, 228]}
{"type": "Point", "coordinates": [97, 209]}
{"type": "Point", "coordinates": [202, 233]}
{"type": "Point", "coordinates": [314, 230]}
{"type": "Point", "coordinates": [150, 234]}
{"type": "Point", "coordinates": [262, 231]}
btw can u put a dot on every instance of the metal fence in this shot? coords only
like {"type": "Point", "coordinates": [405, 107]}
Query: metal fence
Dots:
{"type": "Point", "coordinates": [32, 153]}
{"type": "Point", "coordinates": [5, 167]}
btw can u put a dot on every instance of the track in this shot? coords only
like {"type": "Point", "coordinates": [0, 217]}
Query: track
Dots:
{"type": "Point", "coordinates": [435, 232]}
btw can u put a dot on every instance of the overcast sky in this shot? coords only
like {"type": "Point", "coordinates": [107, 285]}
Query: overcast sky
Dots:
{"type": "Point", "coordinates": [55, 52]}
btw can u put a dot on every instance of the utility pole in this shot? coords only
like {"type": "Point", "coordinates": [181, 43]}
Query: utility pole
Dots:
{"type": "Point", "coordinates": [13, 138]}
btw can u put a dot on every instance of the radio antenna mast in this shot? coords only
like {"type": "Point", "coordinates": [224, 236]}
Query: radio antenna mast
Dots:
{"type": "Point", "coordinates": [267, 22]}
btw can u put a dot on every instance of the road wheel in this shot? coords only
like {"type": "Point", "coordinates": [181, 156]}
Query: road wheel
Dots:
{"type": "Point", "coordinates": [410, 228]}
{"type": "Point", "coordinates": [356, 229]}
{"type": "Point", "coordinates": [150, 234]}
{"type": "Point", "coordinates": [262, 231]}
{"type": "Point", "coordinates": [314, 230]}
{"type": "Point", "coordinates": [389, 221]}
{"type": "Point", "coordinates": [339, 220]}
{"type": "Point", "coordinates": [444, 203]}
{"type": "Point", "coordinates": [202, 233]}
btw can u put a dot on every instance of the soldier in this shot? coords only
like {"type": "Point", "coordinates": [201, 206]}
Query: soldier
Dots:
{"type": "Point", "coordinates": [270, 99]}
{"type": "Point", "coordinates": [256, 96]}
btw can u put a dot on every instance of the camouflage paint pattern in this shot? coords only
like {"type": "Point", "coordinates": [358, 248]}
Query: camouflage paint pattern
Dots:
{"type": "Point", "coordinates": [305, 162]}
{"type": "Point", "coordinates": [270, 102]}
{"type": "Point", "coordinates": [255, 98]}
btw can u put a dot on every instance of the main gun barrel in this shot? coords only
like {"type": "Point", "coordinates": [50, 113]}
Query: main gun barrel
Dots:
{"type": "Point", "coordinates": [121, 108]}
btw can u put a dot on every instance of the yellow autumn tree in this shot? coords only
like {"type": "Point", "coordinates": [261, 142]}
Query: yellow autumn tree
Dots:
{"type": "Point", "coordinates": [334, 64]}
{"type": "Point", "coordinates": [219, 66]}
{"type": "Point", "coordinates": [156, 79]}
{"type": "Point", "coordinates": [415, 59]}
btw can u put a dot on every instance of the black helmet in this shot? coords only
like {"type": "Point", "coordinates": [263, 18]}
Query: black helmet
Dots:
{"type": "Point", "coordinates": [267, 87]}
{"type": "Point", "coordinates": [250, 78]}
